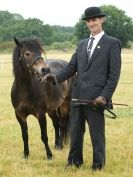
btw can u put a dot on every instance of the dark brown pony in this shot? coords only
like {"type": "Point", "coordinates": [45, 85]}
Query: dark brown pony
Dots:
{"type": "Point", "coordinates": [29, 96]}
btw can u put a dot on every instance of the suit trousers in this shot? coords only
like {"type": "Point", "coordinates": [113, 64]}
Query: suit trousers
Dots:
{"type": "Point", "coordinates": [96, 123]}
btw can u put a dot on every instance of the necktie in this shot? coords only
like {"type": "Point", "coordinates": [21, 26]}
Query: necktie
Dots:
{"type": "Point", "coordinates": [89, 47]}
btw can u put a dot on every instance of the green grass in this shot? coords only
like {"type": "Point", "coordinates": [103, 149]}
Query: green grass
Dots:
{"type": "Point", "coordinates": [119, 134]}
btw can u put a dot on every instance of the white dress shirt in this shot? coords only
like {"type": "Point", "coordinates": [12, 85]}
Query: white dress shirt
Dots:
{"type": "Point", "coordinates": [96, 40]}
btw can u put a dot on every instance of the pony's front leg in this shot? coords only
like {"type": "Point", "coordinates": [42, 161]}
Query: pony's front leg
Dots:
{"type": "Point", "coordinates": [43, 126]}
{"type": "Point", "coordinates": [24, 128]}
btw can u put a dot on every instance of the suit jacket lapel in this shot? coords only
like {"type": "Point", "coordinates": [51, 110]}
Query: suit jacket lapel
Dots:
{"type": "Point", "coordinates": [96, 51]}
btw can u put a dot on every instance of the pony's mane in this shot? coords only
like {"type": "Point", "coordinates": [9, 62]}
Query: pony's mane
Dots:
{"type": "Point", "coordinates": [32, 44]}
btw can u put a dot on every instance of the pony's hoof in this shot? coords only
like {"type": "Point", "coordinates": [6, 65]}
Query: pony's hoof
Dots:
{"type": "Point", "coordinates": [49, 157]}
{"type": "Point", "coordinates": [26, 156]}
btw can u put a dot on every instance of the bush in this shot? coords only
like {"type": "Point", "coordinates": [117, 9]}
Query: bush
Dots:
{"type": "Point", "coordinates": [65, 46]}
{"type": "Point", "coordinates": [7, 47]}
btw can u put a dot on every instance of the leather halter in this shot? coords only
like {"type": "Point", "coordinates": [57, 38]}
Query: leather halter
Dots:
{"type": "Point", "coordinates": [31, 70]}
{"type": "Point", "coordinates": [33, 60]}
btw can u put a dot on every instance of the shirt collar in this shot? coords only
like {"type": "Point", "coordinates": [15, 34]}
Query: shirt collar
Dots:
{"type": "Point", "coordinates": [98, 36]}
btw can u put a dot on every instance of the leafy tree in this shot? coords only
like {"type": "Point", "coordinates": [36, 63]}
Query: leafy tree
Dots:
{"type": "Point", "coordinates": [15, 25]}
{"type": "Point", "coordinates": [7, 18]}
{"type": "Point", "coordinates": [61, 33]}
{"type": "Point", "coordinates": [81, 30]}
{"type": "Point", "coordinates": [118, 24]}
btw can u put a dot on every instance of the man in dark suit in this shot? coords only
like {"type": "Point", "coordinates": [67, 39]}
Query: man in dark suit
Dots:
{"type": "Point", "coordinates": [97, 62]}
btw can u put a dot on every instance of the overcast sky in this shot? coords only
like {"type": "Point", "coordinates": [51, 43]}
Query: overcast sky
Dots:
{"type": "Point", "coordinates": [59, 12]}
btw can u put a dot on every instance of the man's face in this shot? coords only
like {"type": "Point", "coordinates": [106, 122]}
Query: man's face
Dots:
{"type": "Point", "coordinates": [95, 25]}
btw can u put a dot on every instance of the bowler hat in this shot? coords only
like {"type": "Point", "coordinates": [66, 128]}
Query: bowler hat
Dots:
{"type": "Point", "coordinates": [92, 12]}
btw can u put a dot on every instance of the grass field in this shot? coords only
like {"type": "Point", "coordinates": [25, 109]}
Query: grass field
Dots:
{"type": "Point", "coordinates": [119, 133]}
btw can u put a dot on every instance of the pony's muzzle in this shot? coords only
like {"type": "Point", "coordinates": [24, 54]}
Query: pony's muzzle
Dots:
{"type": "Point", "coordinates": [45, 71]}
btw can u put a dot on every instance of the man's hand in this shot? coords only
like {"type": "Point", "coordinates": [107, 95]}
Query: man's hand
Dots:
{"type": "Point", "coordinates": [50, 77]}
{"type": "Point", "coordinates": [100, 100]}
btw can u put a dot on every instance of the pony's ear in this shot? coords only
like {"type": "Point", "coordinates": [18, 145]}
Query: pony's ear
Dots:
{"type": "Point", "coordinates": [17, 42]}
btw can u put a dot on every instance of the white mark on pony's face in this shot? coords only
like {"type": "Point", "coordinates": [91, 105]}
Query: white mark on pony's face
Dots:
{"type": "Point", "coordinates": [40, 67]}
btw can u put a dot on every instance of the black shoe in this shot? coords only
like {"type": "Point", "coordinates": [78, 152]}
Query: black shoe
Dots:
{"type": "Point", "coordinates": [96, 167]}
{"type": "Point", "coordinates": [70, 165]}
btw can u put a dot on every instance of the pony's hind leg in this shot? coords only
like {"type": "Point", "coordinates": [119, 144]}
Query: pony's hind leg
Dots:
{"type": "Point", "coordinates": [24, 129]}
{"type": "Point", "coordinates": [55, 120]}
{"type": "Point", "coordinates": [43, 126]}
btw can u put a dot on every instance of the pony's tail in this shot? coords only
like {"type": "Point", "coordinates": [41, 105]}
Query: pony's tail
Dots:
{"type": "Point", "coordinates": [63, 115]}
{"type": "Point", "coordinates": [64, 128]}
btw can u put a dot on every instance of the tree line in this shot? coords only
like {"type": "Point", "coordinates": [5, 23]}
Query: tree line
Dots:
{"type": "Point", "coordinates": [12, 24]}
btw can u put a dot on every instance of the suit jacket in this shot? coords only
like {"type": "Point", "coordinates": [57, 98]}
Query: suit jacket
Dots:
{"type": "Point", "coordinates": [100, 75]}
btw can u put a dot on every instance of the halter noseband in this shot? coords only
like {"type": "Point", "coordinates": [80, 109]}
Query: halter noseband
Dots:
{"type": "Point", "coordinates": [35, 59]}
